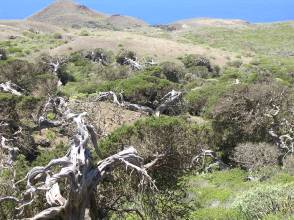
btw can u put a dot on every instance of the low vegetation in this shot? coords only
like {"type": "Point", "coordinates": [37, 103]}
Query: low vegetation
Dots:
{"type": "Point", "coordinates": [222, 150]}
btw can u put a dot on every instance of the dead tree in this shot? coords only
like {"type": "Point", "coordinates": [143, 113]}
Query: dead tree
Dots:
{"type": "Point", "coordinates": [284, 141]}
{"type": "Point", "coordinates": [134, 64]}
{"type": "Point", "coordinates": [167, 101]}
{"type": "Point", "coordinates": [100, 56]}
{"type": "Point", "coordinates": [149, 62]}
{"type": "Point", "coordinates": [11, 88]}
{"type": "Point", "coordinates": [129, 58]}
{"type": "Point", "coordinates": [77, 170]}
{"type": "Point", "coordinates": [201, 159]}
{"type": "Point", "coordinates": [10, 151]}
{"type": "Point", "coordinates": [6, 146]}
{"type": "Point", "coordinates": [55, 64]}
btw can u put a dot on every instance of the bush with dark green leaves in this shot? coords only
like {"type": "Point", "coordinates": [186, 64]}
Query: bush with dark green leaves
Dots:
{"type": "Point", "coordinates": [33, 78]}
{"type": "Point", "coordinates": [204, 95]}
{"type": "Point", "coordinates": [172, 71]}
{"type": "Point", "coordinates": [16, 112]}
{"type": "Point", "coordinates": [200, 67]}
{"type": "Point", "coordinates": [193, 60]}
{"type": "Point", "coordinates": [141, 88]}
{"type": "Point", "coordinates": [123, 54]}
{"type": "Point", "coordinates": [175, 137]}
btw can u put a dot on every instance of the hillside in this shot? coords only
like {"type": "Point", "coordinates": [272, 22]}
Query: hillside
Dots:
{"type": "Point", "coordinates": [210, 22]}
{"type": "Point", "coordinates": [67, 13]}
{"type": "Point", "coordinates": [106, 117]}
{"type": "Point", "coordinates": [122, 22]}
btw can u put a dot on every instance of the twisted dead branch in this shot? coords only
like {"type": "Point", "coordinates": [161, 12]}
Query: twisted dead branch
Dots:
{"type": "Point", "coordinates": [167, 101]}
{"type": "Point", "coordinates": [11, 88]}
{"type": "Point", "coordinates": [78, 169]}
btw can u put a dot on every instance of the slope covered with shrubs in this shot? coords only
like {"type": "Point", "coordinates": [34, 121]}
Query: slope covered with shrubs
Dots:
{"type": "Point", "coordinates": [242, 115]}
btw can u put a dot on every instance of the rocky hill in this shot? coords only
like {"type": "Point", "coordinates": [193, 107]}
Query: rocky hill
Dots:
{"type": "Point", "coordinates": [67, 13]}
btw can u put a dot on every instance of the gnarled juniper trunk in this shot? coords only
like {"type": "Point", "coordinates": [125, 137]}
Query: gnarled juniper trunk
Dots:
{"type": "Point", "coordinates": [77, 168]}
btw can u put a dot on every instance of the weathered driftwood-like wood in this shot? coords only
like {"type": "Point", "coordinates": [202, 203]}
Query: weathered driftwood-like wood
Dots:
{"type": "Point", "coordinates": [11, 88]}
{"type": "Point", "coordinates": [201, 158]}
{"type": "Point", "coordinates": [285, 141]}
{"type": "Point", "coordinates": [10, 151]}
{"type": "Point", "coordinates": [77, 168]}
{"type": "Point", "coordinates": [167, 101]}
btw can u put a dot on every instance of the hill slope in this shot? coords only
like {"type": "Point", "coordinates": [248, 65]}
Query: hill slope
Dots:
{"type": "Point", "coordinates": [67, 13]}
{"type": "Point", "coordinates": [209, 22]}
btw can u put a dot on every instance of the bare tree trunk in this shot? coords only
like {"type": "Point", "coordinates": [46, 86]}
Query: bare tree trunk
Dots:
{"type": "Point", "coordinates": [77, 167]}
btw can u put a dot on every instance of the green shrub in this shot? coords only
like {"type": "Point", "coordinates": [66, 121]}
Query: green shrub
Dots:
{"type": "Point", "coordinates": [172, 71]}
{"type": "Point", "coordinates": [33, 78]}
{"type": "Point", "coordinates": [141, 89]}
{"type": "Point", "coordinates": [123, 54]}
{"type": "Point", "coordinates": [266, 200]}
{"type": "Point", "coordinates": [201, 100]}
{"type": "Point", "coordinates": [84, 33]}
{"type": "Point", "coordinates": [159, 135]}
{"type": "Point", "coordinates": [51, 116]}
{"type": "Point", "coordinates": [57, 36]}
{"type": "Point", "coordinates": [193, 60]}
{"type": "Point", "coordinates": [199, 72]}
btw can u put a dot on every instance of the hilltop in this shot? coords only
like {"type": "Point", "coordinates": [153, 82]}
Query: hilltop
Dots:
{"type": "Point", "coordinates": [67, 13]}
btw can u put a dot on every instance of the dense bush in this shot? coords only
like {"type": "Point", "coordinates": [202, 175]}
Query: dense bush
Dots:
{"type": "Point", "coordinates": [17, 112]}
{"type": "Point", "coordinates": [243, 114]}
{"type": "Point", "coordinates": [141, 89]}
{"type": "Point", "coordinates": [254, 156]}
{"type": "Point", "coordinates": [202, 98]}
{"type": "Point", "coordinates": [193, 60]}
{"type": "Point", "coordinates": [266, 200]}
{"type": "Point", "coordinates": [200, 67]}
{"type": "Point", "coordinates": [123, 54]}
{"type": "Point", "coordinates": [100, 55]}
{"type": "Point", "coordinates": [174, 136]}
{"type": "Point", "coordinates": [33, 78]}
{"type": "Point", "coordinates": [57, 36]}
{"type": "Point", "coordinates": [197, 72]}
{"type": "Point", "coordinates": [172, 71]}
{"type": "Point", "coordinates": [115, 72]}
